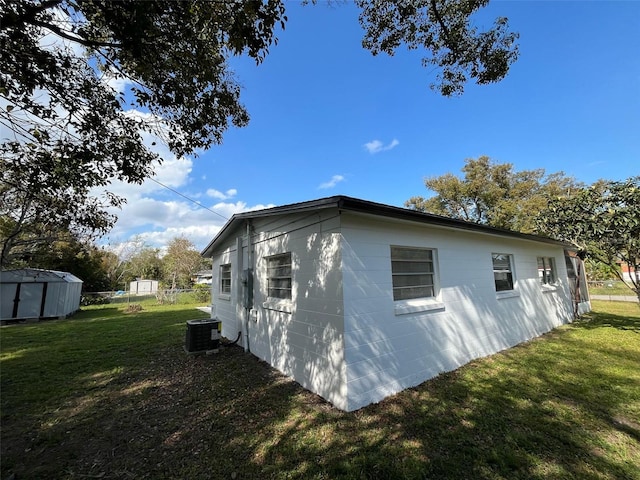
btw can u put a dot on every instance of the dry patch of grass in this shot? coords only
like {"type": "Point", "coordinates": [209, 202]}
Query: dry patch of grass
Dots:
{"type": "Point", "coordinates": [109, 395]}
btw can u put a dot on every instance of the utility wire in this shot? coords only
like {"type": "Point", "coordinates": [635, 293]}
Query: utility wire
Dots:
{"type": "Point", "coordinates": [187, 198]}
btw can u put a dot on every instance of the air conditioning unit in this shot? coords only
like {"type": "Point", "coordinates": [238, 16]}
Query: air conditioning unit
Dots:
{"type": "Point", "coordinates": [203, 336]}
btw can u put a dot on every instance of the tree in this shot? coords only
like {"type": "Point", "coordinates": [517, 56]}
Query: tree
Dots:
{"type": "Point", "coordinates": [493, 194]}
{"type": "Point", "coordinates": [70, 254]}
{"type": "Point", "coordinates": [444, 29]}
{"type": "Point", "coordinates": [603, 222]}
{"type": "Point", "coordinates": [146, 264]}
{"type": "Point", "coordinates": [70, 130]}
{"type": "Point", "coordinates": [181, 262]}
{"type": "Point", "coordinates": [118, 262]}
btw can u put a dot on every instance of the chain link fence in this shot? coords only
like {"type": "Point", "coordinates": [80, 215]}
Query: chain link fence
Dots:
{"type": "Point", "coordinates": [161, 296]}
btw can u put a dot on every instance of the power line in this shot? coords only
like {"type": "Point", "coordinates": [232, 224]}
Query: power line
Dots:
{"type": "Point", "coordinates": [187, 198]}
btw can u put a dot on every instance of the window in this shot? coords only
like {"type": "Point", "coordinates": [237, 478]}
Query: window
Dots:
{"type": "Point", "coordinates": [279, 276]}
{"type": "Point", "coordinates": [225, 278]}
{"type": "Point", "coordinates": [546, 271]}
{"type": "Point", "coordinates": [412, 273]}
{"type": "Point", "coordinates": [502, 271]}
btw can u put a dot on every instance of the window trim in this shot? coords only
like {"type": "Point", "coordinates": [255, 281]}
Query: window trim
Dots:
{"type": "Point", "coordinates": [222, 281]}
{"type": "Point", "coordinates": [412, 302]}
{"type": "Point", "coordinates": [271, 298]}
{"type": "Point", "coordinates": [511, 275]}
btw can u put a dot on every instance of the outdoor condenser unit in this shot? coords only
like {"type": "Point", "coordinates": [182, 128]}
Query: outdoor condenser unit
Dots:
{"type": "Point", "coordinates": [202, 336]}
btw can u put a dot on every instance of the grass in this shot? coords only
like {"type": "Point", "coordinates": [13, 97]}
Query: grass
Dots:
{"type": "Point", "coordinates": [614, 287]}
{"type": "Point", "coordinates": [111, 395]}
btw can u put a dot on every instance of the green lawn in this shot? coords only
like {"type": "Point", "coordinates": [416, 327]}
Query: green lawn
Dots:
{"type": "Point", "coordinates": [113, 395]}
{"type": "Point", "coordinates": [610, 288]}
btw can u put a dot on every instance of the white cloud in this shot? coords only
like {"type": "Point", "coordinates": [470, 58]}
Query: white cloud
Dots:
{"type": "Point", "coordinates": [333, 182]}
{"type": "Point", "coordinates": [50, 40]}
{"type": "Point", "coordinates": [147, 215]}
{"type": "Point", "coordinates": [212, 192]}
{"type": "Point", "coordinates": [157, 221]}
{"type": "Point", "coordinates": [375, 146]}
{"type": "Point", "coordinates": [118, 83]}
{"type": "Point", "coordinates": [169, 170]}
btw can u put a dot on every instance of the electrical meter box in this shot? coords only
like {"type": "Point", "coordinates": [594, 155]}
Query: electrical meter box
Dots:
{"type": "Point", "coordinates": [247, 290]}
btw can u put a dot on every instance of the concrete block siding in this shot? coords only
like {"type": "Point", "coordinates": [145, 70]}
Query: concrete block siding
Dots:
{"type": "Point", "coordinates": [387, 352]}
{"type": "Point", "coordinates": [342, 335]}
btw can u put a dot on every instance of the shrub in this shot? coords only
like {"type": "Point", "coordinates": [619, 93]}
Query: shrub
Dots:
{"type": "Point", "coordinates": [93, 299]}
{"type": "Point", "coordinates": [202, 292]}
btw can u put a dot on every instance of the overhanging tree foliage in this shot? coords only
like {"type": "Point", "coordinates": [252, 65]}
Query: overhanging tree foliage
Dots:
{"type": "Point", "coordinates": [494, 194]}
{"type": "Point", "coordinates": [70, 132]}
{"type": "Point", "coordinates": [69, 254]}
{"type": "Point", "coordinates": [603, 221]}
{"type": "Point", "coordinates": [444, 30]}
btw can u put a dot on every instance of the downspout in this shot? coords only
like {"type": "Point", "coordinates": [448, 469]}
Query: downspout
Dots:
{"type": "Point", "coordinates": [248, 284]}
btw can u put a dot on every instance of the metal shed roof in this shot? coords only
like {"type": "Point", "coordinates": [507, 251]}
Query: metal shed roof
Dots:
{"type": "Point", "coordinates": [23, 275]}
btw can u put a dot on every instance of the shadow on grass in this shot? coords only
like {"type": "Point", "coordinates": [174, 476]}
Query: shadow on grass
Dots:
{"type": "Point", "coordinates": [559, 407]}
{"type": "Point", "coordinates": [600, 319]}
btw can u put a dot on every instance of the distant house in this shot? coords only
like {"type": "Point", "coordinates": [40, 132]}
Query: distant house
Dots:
{"type": "Point", "coordinates": [628, 272]}
{"type": "Point", "coordinates": [143, 287]}
{"type": "Point", "coordinates": [357, 300]}
{"type": "Point", "coordinates": [30, 293]}
{"type": "Point", "coordinates": [203, 277]}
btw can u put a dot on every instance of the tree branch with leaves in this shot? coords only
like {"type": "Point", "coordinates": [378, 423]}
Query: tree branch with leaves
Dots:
{"type": "Point", "coordinates": [603, 222]}
{"type": "Point", "coordinates": [72, 133]}
{"type": "Point", "coordinates": [494, 194]}
{"type": "Point", "coordinates": [444, 30]}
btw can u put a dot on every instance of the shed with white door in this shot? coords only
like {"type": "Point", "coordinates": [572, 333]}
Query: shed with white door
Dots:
{"type": "Point", "coordinates": [143, 287]}
{"type": "Point", "coordinates": [357, 300]}
{"type": "Point", "coordinates": [30, 293]}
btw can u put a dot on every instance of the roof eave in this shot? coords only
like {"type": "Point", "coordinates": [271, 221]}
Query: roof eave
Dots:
{"type": "Point", "coordinates": [376, 209]}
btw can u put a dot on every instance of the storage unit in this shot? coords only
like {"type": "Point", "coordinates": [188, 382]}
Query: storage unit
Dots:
{"type": "Point", "coordinates": [30, 293]}
{"type": "Point", "coordinates": [143, 287]}
{"type": "Point", "coordinates": [202, 336]}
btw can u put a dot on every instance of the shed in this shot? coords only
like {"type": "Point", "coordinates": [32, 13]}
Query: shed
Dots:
{"type": "Point", "coordinates": [143, 287]}
{"type": "Point", "coordinates": [31, 293]}
{"type": "Point", "coordinates": [357, 300]}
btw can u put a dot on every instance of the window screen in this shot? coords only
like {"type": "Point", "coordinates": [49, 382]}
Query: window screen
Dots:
{"type": "Point", "coordinates": [279, 276]}
{"type": "Point", "coordinates": [502, 271]}
{"type": "Point", "coordinates": [225, 278]}
{"type": "Point", "coordinates": [412, 273]}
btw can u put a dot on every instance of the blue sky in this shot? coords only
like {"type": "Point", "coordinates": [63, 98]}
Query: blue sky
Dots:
{"type": "Point", "coordinates": [328, 118]}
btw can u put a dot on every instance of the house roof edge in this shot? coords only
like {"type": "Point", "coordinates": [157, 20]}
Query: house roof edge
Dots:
{"type": "Point", "coordinates": [346, 203]}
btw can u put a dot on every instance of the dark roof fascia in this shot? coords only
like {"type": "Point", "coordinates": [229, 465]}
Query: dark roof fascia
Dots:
{"type": "Point", "coordinates": [237, 218]}
{"type": "Point", "coordinates": [379, 209]}
{"type": "Point", "coordinates": [375, 209]}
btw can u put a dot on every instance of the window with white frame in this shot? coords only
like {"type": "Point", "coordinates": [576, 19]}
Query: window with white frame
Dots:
{"type": "Point", "coordinates": [279, 276]}
{"type": "Point", "coordinates": [502, 271]}
{"type": "Point", "coordinates": [225, 278]}
{"type": "Point", "coordinates": [412, 272]}
{"type": "Point", "coordinates": [546, 271]}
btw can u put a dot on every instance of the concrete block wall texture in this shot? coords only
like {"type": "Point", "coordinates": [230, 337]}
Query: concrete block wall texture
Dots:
{"type": "Point", "coordinates": [342, 335]}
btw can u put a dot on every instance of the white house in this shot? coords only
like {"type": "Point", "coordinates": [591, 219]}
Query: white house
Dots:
{"type": "Point", "coordinates": [357, 300]}
{"type": "Point", "coordinates": [203, 277]}
{"type": "Point", "coordinates": [30, 293]}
